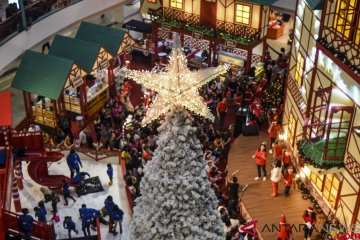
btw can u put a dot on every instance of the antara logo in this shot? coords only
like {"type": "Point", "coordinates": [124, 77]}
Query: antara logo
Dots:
{"type": "Point", "coordinates": [250, 225]}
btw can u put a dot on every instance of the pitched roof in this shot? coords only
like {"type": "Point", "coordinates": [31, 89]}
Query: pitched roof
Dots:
{"type": "Point", "coordinates": [261, 2]}
{"type": "Point", "coordinates": [82, 52]}
{"type": "Point", "coordinates": [41, 74]}
{"type": "Point", "coordinates": [315, 4]}
{"type": "Point", "coordinates": [109, 38]}
{"type": "Point", "coordinates": [5, 116]}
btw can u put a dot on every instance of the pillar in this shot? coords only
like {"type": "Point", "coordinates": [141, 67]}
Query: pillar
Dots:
{"type": "Point", "coordinates": [15, 194]}
{"type": "Point", "coordinates": [248, 62]}
{"type": "Point", "coordinates": [18, 175]}
{"type": "Point", "coordinates": [118, 14]}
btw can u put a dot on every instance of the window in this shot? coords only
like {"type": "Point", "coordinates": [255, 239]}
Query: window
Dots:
{"type": "Point", "coordinates": [151, 1]}
{"type": "Point", "coordinates": [299, 71]}
{"type": "Point", "coordinates": [331, 188]}
{"type": "Point", "coordinates": [176, 4]}
{"type": "Point", "coordinates": [291, 129]}
{"type": "Point", "coordinates": [317, 179]}
{"type": "Point", "coordinates": [242, 14]}
{"type": "Point", "coordinates": [357, 36]}
{"type": "Point", "coordinates": [346, 22]}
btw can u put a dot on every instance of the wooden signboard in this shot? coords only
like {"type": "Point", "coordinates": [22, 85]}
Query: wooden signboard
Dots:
{"type": "Point", "coordinates": [197, 35]}
{"type": "Point", "coordinates": [128, 49]}
{"type": "Point", "coordinates": [76, 82]}
{"type": "Point", "coordinates": [104, 64]}
{"type": "Point", "coordinates": [117, 71]}
{"type": "Point", "coordinates": [230, 43]}
{"type": "Point", "coordinates": [165, 27]}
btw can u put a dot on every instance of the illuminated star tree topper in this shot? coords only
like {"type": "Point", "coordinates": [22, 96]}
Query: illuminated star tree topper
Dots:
{"type": "Point", "coordinates": [177, 85]}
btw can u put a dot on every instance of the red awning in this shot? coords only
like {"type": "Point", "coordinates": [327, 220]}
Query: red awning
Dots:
{"type": "Point", "coordinates": [5, 106]}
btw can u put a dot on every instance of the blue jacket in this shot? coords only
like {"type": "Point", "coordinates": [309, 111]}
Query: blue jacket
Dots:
{"type": "Point", "coordinates": [88, 215]}
{"type": "Point", "coordinates": [110, 171]}
{"type": "Point", "coordinates": [116, 215]}
{"type": "Point", "coordinates": [73, 161]}
{"type": "Point", "coordinates": [70, 225]}
{"type": "Point", "coordinates": [66, 189]}
{"type": "Point", "coordinates": [26, 223]}
{"type": "Point", "coordinates": [109, 205]}
{"type": "Point", "coordinates": [41, 214]}
{"type": "Point", "coordinates": [76, 179]}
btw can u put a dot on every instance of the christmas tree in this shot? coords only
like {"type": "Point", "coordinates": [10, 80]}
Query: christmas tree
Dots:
{"type": "Point", "coordinates": [176, 200]}
{"type": "Point", "coordinates": [274, 92]}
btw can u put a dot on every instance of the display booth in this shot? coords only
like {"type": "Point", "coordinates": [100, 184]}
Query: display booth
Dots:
{"type": "Point", "coordinates": [276, 25]}
{"type": "Point", "coordinates": [116, 41]}
{"type": "Point", "coordinates": [236, 62]}
{"type": "Point", "coordinates": [95, 61]}
{"type": "Point", "coordinates": [143, 31]}
{"type": "Point", "coordinates": [44, 79]}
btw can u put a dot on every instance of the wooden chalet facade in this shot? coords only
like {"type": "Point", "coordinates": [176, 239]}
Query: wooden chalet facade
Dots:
{"type": "Point", "coordinates": [321, 118]}
{"type": "Point", "coordinates": [229, 26]}
{"type": "Point", "coordinates": [115, 41]}
{"type": "Point", "coordinates": [43, 80]}
{"type": "Point", "coordinates": [94, 60]}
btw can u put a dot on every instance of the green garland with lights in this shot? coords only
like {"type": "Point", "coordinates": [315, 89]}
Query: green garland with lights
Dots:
{"type": "Point", "coordinates": [242, 39]}
{"type": "Point", "coordinates": [313, 155]}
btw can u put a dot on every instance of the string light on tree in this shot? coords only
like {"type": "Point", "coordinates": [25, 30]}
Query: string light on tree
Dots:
{"type": "Point", "coordinates": [177, 85]}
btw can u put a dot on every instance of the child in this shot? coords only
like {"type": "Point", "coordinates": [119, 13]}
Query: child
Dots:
{"type": "Point", "coordinates": [66, 192]}
{"type": "Point", "coordinates": [54, 200]}
{"type": "Point", "coordinates": [110, 172]}
{"type": "Point", "coordinates": [285, 229]}
{"type": "Point", "coordinates": [288, 180]}
{"type": "Point", "coordinates": [278, 149]}
{"type": "Point", "coordinates": [309, 217]}
{"type": "Point", "coordinates": [70, 225]}
{"type": "Point", "coordinates": [115, 217]}
{"type": "Point", "coordinates": [286, 159]}
{"type": "Point", "coordinates": [40, 213]}
{"type": "Point", "coordinates": [275, 176]}
{"type": "Point", "coordinates": [26, 223]}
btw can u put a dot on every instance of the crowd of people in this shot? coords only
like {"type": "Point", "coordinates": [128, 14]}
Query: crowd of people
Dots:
{"type": "Point", "coordinates": [88, 216]}
{"type": "Point", "coordinates": [117, 128]}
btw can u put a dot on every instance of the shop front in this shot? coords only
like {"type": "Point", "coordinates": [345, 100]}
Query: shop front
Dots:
{"type": "Point", "coordinates": [116, 42]}
{"type": "Point", "coordinates": [46, 81]}
{"type": "Point", "coordinates": [94, 60]}
{"type": "Point", "coordinates": [236, 61]}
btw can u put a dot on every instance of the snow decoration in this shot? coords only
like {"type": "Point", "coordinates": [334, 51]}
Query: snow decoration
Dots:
{"type": "Point", "coordinates": [177, 85]}
{"type": "Point", "coordinates": [177, 201]}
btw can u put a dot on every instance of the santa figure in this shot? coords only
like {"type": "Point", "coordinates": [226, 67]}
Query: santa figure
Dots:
{"type": "Point", "coordinates": [285, 229]}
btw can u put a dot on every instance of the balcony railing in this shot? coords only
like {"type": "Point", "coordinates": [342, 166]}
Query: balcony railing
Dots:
{"type": "Point", "coordinates": [191, 22]}
{"type": "Point", "coordinates": [34, 12]}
